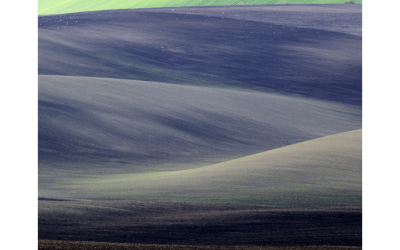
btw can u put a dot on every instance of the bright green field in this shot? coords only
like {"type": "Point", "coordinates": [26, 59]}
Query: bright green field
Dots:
{"type": "Point", "coordinates": [48, 7]}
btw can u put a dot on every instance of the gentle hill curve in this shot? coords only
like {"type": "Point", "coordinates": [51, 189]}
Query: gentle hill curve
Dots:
{"type": "Point", "coordinates": [47, 7]}
{"type": "Point", "coordinates": [205, 50]}
{"type": "Point", "coordinates": [85, 119]}
{"type": "Point", "coordinates": [343, 18]}
{"type": "Point", "coordinates": [322, 172]}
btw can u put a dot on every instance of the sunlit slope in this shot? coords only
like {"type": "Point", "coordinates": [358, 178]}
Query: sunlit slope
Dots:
{"type": "Point", "coordinates": [47, 7]}
{"type": "Point", "coordinates": [205, 50]}
{"type": "Point", "coordinates": [320, 172]}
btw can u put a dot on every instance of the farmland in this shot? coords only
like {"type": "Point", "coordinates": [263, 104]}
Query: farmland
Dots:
{"type": "Point", "coordinates": [47, 7]}
{"type": "Point", "coordinates": [191, 126]}
{"type": "Point", "coordinates": [299, 175]}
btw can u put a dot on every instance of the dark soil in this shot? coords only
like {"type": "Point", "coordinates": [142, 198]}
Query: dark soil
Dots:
{"type": "Point", "coordinates": [72, 245]}
{"type": "Point", "coordinates": [198, 224]}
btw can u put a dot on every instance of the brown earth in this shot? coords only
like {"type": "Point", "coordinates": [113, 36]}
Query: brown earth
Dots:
{"type": "Point", "coordinates": [198, 224]}
{"type": "Point", "coordinates": [67, 245]}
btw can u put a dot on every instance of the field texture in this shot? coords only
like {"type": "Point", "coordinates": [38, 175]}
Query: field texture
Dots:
{"type": "Point", "coordinates": [210, 50]}
{"type": "Point", "coordinates": [110, 120]}
{"type": "Point", "coordinates": [50, 7]}
{"type": "Point", "coordinates": [72, 245]}
{"type": "Point", "coordinates": [321, 172]}
{"type": "Point", "coordinates": [329, 17]}
{"type": "Point", "coordinates": [181, 223]}
{"type": "Point", "coordinates": [234, 95]}
{"type": "Point", "coordinates": [220, 126]}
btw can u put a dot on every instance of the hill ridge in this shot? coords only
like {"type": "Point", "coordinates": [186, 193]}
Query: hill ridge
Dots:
{"type": "Point", "coordinates": [321, 172]}
{"type": "Point", "coordinates": [73, 6]}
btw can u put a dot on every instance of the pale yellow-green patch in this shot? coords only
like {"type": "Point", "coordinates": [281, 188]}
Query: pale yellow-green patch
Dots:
{"type": "Point", "coordinates": [324, 171]}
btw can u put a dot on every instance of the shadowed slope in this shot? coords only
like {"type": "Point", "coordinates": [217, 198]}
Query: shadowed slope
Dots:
{"type": "Point", "coordinates": [104, 120]}
{"type": "Point", "coordinates": [203, 50]}
{"type": "Point", "coordinates": [343, 18]}
{"type": "Point", "coordinates": [320, 172]}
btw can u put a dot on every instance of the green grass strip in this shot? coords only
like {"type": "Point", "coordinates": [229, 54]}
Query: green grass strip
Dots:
{"type": "Point", "coordinates": [48, 7]}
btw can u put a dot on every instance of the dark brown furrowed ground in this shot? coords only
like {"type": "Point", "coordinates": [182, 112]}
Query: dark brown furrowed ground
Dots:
{"type": "Point", "coordinates": [73, 245]}
{"type": "Point", "coordinates": [198, 224]}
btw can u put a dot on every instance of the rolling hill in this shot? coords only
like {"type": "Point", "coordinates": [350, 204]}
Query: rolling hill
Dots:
{"type": "Point", "coordinates": [221, 125]}
{"type": "Point", "coordinates": [342, 18]}
{"type": "Point", "coordinates": [321, 172]}
{"type": "Point", "coordinates": [47, 7]}
{"type": "Point", "coordinates": [215, 88]}
{"type": "Point", "coordinates": [207, 50]}
{"type": "Point", "coordinates": [91, 120]}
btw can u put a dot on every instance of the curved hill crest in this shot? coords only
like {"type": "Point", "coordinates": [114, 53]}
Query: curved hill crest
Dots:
{"type": "Point", "coordinates": [320, 172]}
